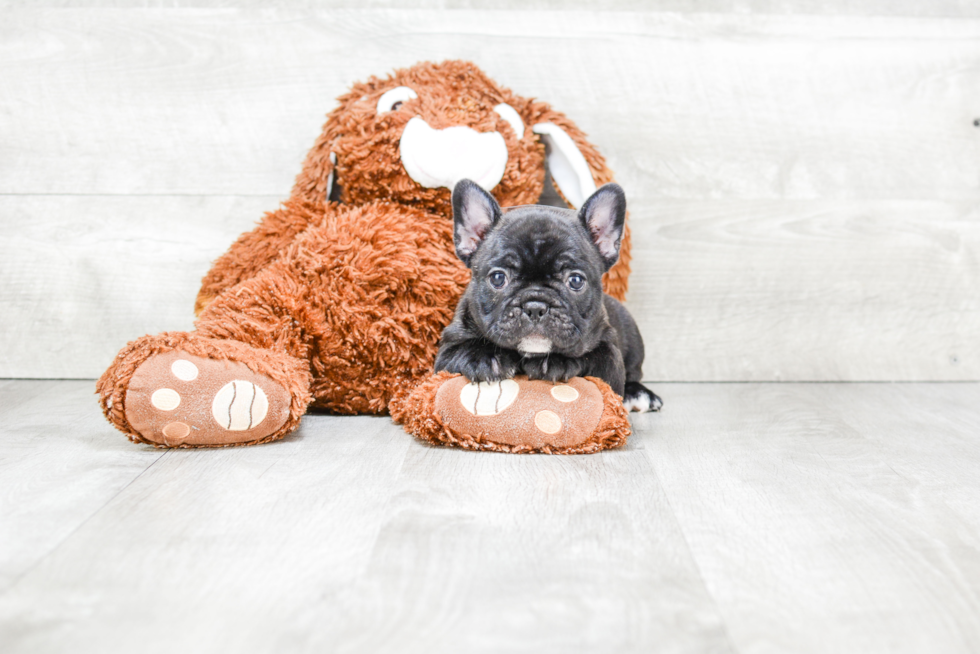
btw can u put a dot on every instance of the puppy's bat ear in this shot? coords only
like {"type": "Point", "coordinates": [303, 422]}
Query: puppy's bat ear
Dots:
{"type": "Point", "coordinates": [604, 215]}
{"type": "Point", "coordinates": [475, 212]}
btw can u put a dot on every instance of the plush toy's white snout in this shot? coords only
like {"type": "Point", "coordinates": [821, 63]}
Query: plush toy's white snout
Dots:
{"type": "Point", "coordinates": [437, 158]}
{"type": "Point", "coordinates": [442, 157]}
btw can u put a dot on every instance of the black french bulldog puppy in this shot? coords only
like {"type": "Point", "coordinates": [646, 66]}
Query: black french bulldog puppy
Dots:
{"type": "Point", "coordinates": [534, 304]}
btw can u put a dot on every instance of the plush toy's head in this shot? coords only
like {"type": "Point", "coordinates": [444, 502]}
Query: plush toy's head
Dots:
{"type": "Point", "coordinates": [411, 136]}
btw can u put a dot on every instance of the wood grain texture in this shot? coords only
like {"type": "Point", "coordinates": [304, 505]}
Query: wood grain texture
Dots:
{"type": "Point", "coordinates": [215, 549]}
{"type": "Point", "coordinates": [744, 518]}
{"type": "Point", "coordinates": [684, 105]}
{"type": "Point", "coordinates": [829, 518]}
{"type": "Point", "coordinates": [60, 463]}
{"type": "Point", "coordinates": [722, 290]}
{"type": "Point", "coordinates": [804, 188]}
{"type": "Point", "coordinates": [805, 290]}
{"type": "Point", "coordinates": [932, 9]}
{"type": "Point", "coordinates": [349, 536]}
{"type": "Point", "coordinates": [84, 275]}
{"type": "Point", "coordinates": [505, 553]}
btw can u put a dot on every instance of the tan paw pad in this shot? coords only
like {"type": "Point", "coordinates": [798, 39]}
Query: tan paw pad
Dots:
{"type": "Point", "coordinates": [564, 393]}
{"type": "Point", "coordinates": [488, 398]}
{"type": "Point", "coordinates": [179, 399]}
{"type": "Point", "coordinates": [239, 405]}
{"type": "Point", "coordinates": [165, 399]}
{"type": "Point", "coordinates": [184, 370]}
{"type": "Point", "coordinates": [176, 433]}
{"type": "Point", "coordinates": [547, 421]}
{"type": "Point", "coordinates": [517, 411]}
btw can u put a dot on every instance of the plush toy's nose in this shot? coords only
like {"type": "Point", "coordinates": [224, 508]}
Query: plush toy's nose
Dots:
{"type": "Point", "coordinates": [535, 310]}
{"type": "Point", "coordinates": [442, 157]}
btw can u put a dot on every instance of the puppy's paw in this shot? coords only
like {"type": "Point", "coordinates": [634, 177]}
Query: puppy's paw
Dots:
{"type": "Point", "coordinates": [479, 364]}
{"type": "Point", "coordinates": [640, 398]}
{"type": "Point", "coordinates": [553, 367]}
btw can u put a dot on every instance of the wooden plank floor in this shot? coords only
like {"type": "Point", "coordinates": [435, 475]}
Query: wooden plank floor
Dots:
{"type": "Point", "coordinates": [744, 518]}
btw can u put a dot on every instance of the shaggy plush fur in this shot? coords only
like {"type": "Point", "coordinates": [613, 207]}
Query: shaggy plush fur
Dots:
{"type": "Point", "coordinates": [362, 296]}
{"type": "Point", "coordinates": [420, 415]}
{"type": "Point", "coordinates": [342, 299]}
{"type": "Point", "coordinates": [369, 167]}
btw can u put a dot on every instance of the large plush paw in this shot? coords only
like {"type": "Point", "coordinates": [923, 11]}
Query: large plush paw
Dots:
{"type": "Point", "coordinates": [178, 399]}
{"type": "Point", "coordinates": [640, 398]}
{"type": "Point", "coordinates": [515, 415]}
{"type": "Point", "coordinates": [552, 367]}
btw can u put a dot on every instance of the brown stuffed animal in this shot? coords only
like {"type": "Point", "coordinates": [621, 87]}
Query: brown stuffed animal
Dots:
{"type": "Point", "coordinates": [338, 298]}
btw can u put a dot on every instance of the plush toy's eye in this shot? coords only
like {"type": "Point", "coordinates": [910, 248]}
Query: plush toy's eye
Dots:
{"type": "Point", "coordinates": [498, 279]}
{"type": "Point", "coordinates": [576, 282]}
{"type": "Point", "coordinates": [394, 98]}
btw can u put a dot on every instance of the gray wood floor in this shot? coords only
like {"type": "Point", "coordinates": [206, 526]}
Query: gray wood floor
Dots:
{"type": "Point", "coordinates": [744, 518]}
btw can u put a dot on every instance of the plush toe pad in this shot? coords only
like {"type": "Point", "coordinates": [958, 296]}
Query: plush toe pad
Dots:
{"type": "Point", "coordinates": [175, 399]}
{"type": "Point", "coordinates": [536, 414]}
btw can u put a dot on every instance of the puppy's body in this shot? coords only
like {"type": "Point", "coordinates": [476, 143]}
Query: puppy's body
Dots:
{"type": "Point", "coordinates": [535, 303]}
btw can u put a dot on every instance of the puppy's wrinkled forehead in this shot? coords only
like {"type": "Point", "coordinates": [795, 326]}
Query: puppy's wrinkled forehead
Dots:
{"type": "Point", "coordinates": [539, 240]}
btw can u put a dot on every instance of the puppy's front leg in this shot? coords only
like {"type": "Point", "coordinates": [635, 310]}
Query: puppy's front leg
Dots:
{"type": "Point", "coordinates": [478, 360]}
{"type": "Point", "coordinates": [551, 367]}
{"type": "Point", "coordinates": [606, 363]}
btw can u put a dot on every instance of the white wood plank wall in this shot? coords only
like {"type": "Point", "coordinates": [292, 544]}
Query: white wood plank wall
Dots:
{"type": "Point", "coordinates": [804, 185]}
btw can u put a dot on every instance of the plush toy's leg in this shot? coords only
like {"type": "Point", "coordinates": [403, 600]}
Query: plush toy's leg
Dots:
{"type": "Point", "coordinates": [362, 296]}
{"type": "Point", "coordinates": [182, 389]}
{"type": "Point", "coordinates": [255, 250]}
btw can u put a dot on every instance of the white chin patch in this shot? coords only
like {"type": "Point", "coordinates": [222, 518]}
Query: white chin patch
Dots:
{"type": "Point", "coordinates": [535, 345]}
{"type": "Point", "coordinates": [441, 157]}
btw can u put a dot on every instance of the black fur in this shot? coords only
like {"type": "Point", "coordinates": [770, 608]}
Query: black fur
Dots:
{"type": "Point", "coordinates": [552, 261]}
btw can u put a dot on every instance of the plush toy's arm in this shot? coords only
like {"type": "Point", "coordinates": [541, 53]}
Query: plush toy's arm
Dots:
{"type": "Point", "coordinates": [255, 250]}
{"type": "Point", "coordinates": [515, 415]}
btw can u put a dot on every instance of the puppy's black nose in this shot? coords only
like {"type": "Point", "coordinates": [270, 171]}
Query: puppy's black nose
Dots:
{"type": "Point", "coordinates": [534, 309]}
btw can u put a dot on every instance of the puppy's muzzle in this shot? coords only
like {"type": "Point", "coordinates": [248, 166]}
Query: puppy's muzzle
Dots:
{"type": "Point", "coordinates": [535, 310]}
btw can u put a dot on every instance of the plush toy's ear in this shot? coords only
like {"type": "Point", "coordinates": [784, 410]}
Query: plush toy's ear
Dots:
{"type": "Point", "coordinates": [604, 215]}
{"type": "Point", "coordinates": [331, 177]}
{"type": "Point", "coordinates": [537, 114]}
{"type": "Point", "coordinates": [316, 181]}
{"type": "Point", "coordinates": [475, 212]}
{"type": "Point", "coordinates": [569, 169]}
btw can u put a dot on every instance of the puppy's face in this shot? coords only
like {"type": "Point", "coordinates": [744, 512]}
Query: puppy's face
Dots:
{"type": "Point", "coordinates": [536, 282]}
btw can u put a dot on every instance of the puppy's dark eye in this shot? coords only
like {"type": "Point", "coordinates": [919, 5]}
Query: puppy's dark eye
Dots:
{"type": "Point", "coordinates": [396, 106]}
{"type": "Point", "coordinates": [498, 279]}
{"type": "Point", "coordinates": [576, 282]}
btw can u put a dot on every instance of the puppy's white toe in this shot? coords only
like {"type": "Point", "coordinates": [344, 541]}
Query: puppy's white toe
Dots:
{"type": "Point", "coordinates": [640, 399]}
{"type": "Point", "coordinates": [640, 404]}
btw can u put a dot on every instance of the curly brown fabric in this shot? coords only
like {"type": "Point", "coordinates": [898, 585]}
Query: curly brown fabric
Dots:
{"type": "Point", "coordinates": [418, 411]}
{"type": "Point", "coordinates": [369, 167]}
{"type": "Point", "coordinates": [342, 299]}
